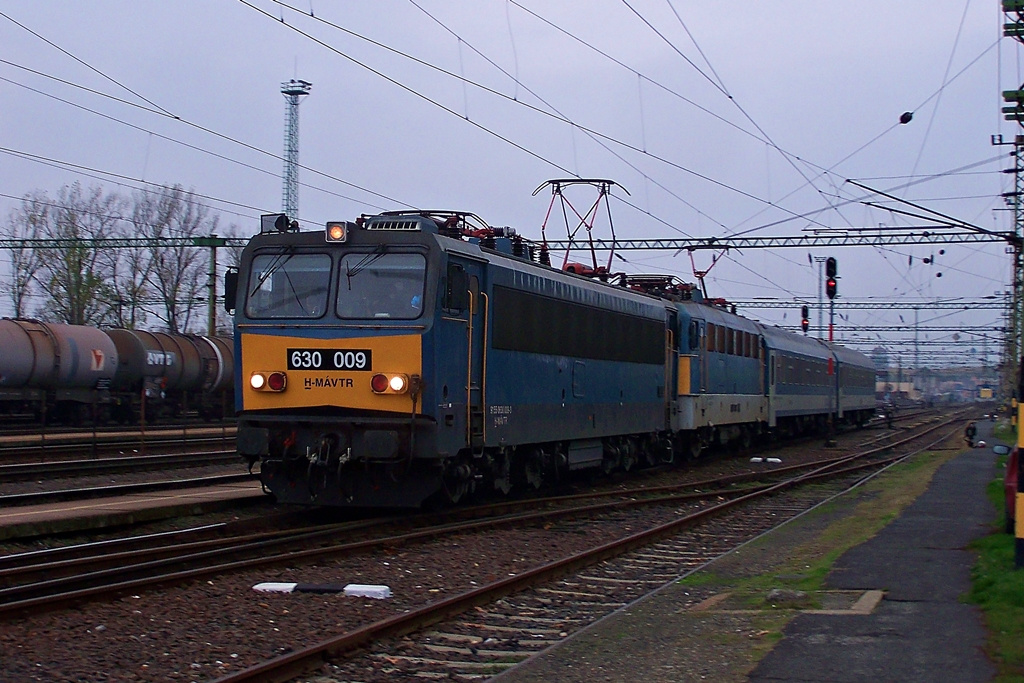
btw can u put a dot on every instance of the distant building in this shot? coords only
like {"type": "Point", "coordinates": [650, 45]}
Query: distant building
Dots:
{"type": "Point", "coordinates": [880, 356]}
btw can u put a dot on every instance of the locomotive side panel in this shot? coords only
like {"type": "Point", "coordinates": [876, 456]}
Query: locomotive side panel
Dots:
{"type": "Point", "coordinates": [721, 363]}
{"type": "Point", "coordinates": [564, 370]}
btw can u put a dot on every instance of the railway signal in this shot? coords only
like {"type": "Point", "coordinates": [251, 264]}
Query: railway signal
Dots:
{"type": "Point", "coordinates": [805, 322]}
{"type": "Point", "coordinates": [832, 275]}
{"type": "Point", "coordinates": [830, 287]}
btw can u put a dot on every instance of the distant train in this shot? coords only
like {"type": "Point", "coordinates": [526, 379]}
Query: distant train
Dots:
{"type": "Point", "coordinates": [71, 374]}
{"type": "Point", "coordinates": [415, 356]}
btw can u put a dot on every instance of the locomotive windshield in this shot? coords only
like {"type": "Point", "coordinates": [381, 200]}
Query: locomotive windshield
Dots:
{"type": "Point", "coordinates": [288, 285]}
{"type": "Point", "coordinates": [381, 285]}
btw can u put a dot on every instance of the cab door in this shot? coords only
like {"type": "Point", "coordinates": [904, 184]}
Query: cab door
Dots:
{"type": "Point", "coordinates": [463, 347]}
{"type": "Point", "coordinates": [701, 349]}
{"type": "Point", "coordinates": [477, 335]}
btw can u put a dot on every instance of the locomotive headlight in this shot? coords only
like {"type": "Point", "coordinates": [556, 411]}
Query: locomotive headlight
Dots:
{"type": "Point", "coordinates": [337, 231]}
{"type": "Point", "coordinates": [268, 381]}
{"type": "Point", "coordinates": [389, 384]}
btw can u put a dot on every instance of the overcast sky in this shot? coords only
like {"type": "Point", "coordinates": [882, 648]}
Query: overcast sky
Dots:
{"type": "Point", "coordinates": [717, 119]}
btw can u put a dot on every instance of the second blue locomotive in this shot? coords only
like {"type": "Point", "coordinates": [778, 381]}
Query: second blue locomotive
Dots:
{"type": "Point", "coordinates": [424, 355]}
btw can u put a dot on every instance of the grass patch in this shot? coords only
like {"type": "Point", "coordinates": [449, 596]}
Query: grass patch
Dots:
{"type": "Point", "coordinates": [998, 589]}
{"type": "Point", "coordinates": [807, 562]}
{"type": "Point", "coordinates": [1005, 432]}
{"type": "Point", "coordinates": [800, 555]}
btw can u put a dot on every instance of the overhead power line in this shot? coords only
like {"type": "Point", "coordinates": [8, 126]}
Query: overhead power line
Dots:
{"type": "Point", "coordinates": [993, 303]}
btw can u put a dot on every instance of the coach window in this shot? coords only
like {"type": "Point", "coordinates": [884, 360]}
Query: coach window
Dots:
{"type": "Point", "coordinates": [288, 285]}
{"type": "Point", "coordinates": [712, 337]}
{"type": "Point", "coordinates": [381, 285]}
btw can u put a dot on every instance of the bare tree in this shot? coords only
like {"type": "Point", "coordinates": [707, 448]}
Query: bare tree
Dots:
{"type": "Point", "coordinates": [73, 276]}
{"type": "Point", "coordinates": [177, 272]}
{"type": "Point", "coordinates": [129, 269]}
{"type": "Point", "coordinates": [24, 223]}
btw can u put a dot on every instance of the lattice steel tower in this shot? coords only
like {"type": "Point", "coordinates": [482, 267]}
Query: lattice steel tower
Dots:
{"type": "Point", "coordinates": [292, 91]}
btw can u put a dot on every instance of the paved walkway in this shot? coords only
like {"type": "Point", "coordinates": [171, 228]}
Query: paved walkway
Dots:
{"type": "Point", "coordinates": [918, 631]}
{"type": "Point", "coordinates": [30, 521]}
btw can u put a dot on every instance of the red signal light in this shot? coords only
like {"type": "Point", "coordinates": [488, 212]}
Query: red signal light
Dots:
{"type": "Point", "coordinates": [830, 287]}
{"type": "Point", "coordinates": [276, 381]}
{"type": "Point", "coordinates": [379, 383]}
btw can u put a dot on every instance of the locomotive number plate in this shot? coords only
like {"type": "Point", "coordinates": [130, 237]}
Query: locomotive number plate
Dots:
{"type": "Point", "coordinates": [329, 359]}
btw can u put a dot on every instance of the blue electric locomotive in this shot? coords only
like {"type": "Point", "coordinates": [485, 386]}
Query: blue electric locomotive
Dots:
{"type": "Point", "coordinates": [419, 355]}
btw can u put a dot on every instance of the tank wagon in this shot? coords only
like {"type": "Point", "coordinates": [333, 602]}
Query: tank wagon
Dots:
{"type": "Point", "coordinates": [413, 356]}
{"type": "Point", "coordinates": [73, 373]}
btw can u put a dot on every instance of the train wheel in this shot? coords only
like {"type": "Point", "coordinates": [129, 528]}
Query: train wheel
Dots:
{"type": "Point", "coordinates": [629, 449]}
{"type": "Point", "coordinates": [531, 468]}
{"type": "Point", "coordinates": [696, 448]}
{"type": "Point", "coordinates": [612, 456]}
{"type": "Point", "coordinates": [746, 439]}
{"type": "Point", "coordinates": [458, 481]}
{"type": "Point", "coordinates": [502, 468]}
{"type": "Point", "coordinates": [667, 446]}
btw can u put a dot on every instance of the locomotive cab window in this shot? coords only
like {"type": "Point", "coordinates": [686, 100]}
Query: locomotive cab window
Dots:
{"type": "Point", "coordinates": [381, 285]}
{"type": "Point", "coordinates": [288, 285]}
{"type": "Point", "coordinates": [694, 335]}
{"type": "Point", "coordinates": [457, 292]}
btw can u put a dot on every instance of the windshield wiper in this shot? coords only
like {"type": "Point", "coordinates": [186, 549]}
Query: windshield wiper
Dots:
{"type": "Point", "coordinates": [364, 263]}
{"type": "Point", "coordinates": [274, 266]}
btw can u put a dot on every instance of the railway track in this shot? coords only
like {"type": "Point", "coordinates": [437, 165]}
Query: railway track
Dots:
{"type": "Point", "coordinates": [134, 463]}
{"type": "Point", "coordinates": [755, 498]}
{"type": "Point", "coordinates": [484, 631]}
{"type": "Point", "coordinates": [39, 447]}
{"type": "Point", "coordinates": [90, 492]}
{"type": "Point", "coordinates": [30, 431]}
